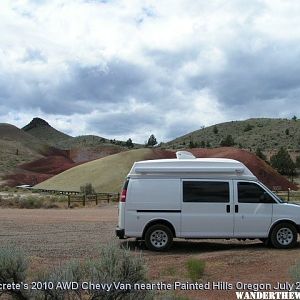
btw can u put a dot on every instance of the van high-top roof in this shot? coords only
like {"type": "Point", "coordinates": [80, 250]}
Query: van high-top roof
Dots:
{"type": "Point", "coordinates": [187, 165]}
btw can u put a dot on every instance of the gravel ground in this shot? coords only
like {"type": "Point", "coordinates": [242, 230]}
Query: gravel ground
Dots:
{"type": "Point", "coordinates": [58, 233]}
{"type": "Point", "coordinates": [51, 236]}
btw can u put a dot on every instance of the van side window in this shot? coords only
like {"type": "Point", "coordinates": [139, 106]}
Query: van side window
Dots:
{"type": "Point", "coordinates": [249, 192]}
{"type": "Point", "coordinates": [205, 191]}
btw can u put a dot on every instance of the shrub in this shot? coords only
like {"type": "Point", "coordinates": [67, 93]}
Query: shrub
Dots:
{"type": "Point", "coordinates": [248, 127]}
{"type": "Point", "coordinates": [113, 265]}
{"type": "Point", "coordinates": [71, 272]}
{"type": "Point", "coordinates": [87, 189]}
{"type": "Point", "coordinates": [228, 141]}
{"type": "Point", "coordinates": [260, 154]}
{"type": "Point", "coordinates": [30, 202]}
{"type": "Point", "coordinates": [13, 268]}
{"type": "Point", "coordinates": [287, 131]}
{"type": "Point", "coordinates": [283, 163]}
{"type": "Point", "coordinates": [195, 268]}
{"type": "Point", "coordinates": [298, 161]}
{"type": "Point", "coordinates": [118, 265]}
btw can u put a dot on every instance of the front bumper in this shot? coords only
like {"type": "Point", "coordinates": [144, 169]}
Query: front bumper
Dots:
{"type": "Point", "coordinates": [120, 233]}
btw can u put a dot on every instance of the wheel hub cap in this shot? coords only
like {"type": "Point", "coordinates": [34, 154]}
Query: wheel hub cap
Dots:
{"type": "Point", "coordinates": [284, 236]}
{"type": "Point", "coordinates": [159, 238]}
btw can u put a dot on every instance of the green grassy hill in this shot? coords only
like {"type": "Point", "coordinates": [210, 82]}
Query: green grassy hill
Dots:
{"type": "Point", "coordinates": [105, 174]}
{"type": "Point", "coordinates": [249, 134]}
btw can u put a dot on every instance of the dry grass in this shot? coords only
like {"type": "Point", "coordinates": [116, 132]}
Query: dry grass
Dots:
{"type": "Point", "coordinates": [106, 174]}
{"type": "Point", "coordinates": [12, 199]}
{"type": "Point", "coordinates": [17, 147]}
{"type": "Point", "coordinates": [13, 153]}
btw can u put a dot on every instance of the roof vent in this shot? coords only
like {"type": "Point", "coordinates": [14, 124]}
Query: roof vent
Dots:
{"type": "Point", "coordinates": [184, 155]}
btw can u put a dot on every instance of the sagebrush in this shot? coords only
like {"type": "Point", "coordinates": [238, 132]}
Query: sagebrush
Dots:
{"type": "Point", "coordinates": [113, 264]}
{"type": "Point", "coordinates": [195, 268]}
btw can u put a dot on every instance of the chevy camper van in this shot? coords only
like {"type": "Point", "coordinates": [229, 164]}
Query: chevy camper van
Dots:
{"type": "Point", "coordinates": [196, 198]}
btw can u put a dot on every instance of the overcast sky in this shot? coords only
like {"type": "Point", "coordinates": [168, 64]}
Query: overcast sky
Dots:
{"type": "Point", "coordinates": [130, 68]}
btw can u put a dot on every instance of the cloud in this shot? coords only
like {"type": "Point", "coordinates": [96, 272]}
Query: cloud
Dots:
{"type": "Point", "coordinates": [131, 68]}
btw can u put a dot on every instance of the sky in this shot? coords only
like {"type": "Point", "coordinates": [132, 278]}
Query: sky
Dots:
{"type": "Point", "coordinates": [130, 68]}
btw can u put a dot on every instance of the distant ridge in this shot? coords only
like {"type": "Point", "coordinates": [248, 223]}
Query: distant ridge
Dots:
{"type": "Point", "coordinates": [35, 122]}
{"type": "Point", "coordinates": [265, 133]}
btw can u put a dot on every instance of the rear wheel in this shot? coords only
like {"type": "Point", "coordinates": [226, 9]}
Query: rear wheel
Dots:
{"type": "Point", "coordinates": [284, 235]}
{"type": "Point", "coordinates": [158, 238]}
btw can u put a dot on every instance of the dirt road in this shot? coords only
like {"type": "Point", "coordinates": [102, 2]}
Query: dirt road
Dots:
{"type": "Point", "coordinates": [49, 236]}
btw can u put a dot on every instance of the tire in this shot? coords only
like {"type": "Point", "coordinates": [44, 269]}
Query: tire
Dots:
{"type": "Point", "coordinates": [158, 238]}
{"type": "Point", "coordinates": [284, 235]}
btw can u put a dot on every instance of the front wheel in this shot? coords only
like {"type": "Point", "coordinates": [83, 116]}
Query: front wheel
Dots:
{"type": "Point", "coordinates": [158, 238]}
{"type": "Point", "coordinates": [284, 235]}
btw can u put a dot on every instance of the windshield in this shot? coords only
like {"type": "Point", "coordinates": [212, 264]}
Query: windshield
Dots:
{"type": "Point", "coordinates": [278, 199]}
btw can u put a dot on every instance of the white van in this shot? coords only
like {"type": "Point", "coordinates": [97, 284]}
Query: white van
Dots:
{"type": "Point", "coordinates": [195, 198]}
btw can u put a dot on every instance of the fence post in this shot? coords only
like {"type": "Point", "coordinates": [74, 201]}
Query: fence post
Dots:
{"type": "Point", "coordinates": [96, 199]}
{"type": "Point", "coordinates": [84, 199]}
{"type": "Point", "coordinates": [289, 194]}
{"type": "Point", "coordinates": [69, 201]}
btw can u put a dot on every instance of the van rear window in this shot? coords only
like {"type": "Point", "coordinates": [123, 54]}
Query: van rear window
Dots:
{"type": "Point", "coordinates": [205, 191]}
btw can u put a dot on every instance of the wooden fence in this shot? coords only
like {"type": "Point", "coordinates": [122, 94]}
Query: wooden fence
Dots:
{"type": "Point", "coordinates": [75, 196]}
{"type": "Point", "coordinates": [99, 197]}
{"type": "Point", "coordinates": [289, 195]}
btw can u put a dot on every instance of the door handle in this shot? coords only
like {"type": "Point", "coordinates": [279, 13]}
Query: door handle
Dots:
{"type": "Point", "coordinates": [228, 208]}
{"type": "Point", "coordinates": [236, 208]}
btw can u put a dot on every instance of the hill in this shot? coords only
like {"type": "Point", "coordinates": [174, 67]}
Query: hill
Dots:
{"type": "Point", "coordinates": [264, 172]}
{"type": "Point", "coordinates": [89, 147]}
{"type": "Point", "coordinates": [17, 147]}
{"type": "Point", "coordinates": [40, 129]}
{"type": "Point", "coordinates": [268, 134]}
{"type": "Point", "coordinates": [105, 174]}
{"type": "Point", "coordinates": [43, 131]}
{"type": "Point", "coordinates": [24, 159]}
{"type": "Point", "coordinates": [38, 170]}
